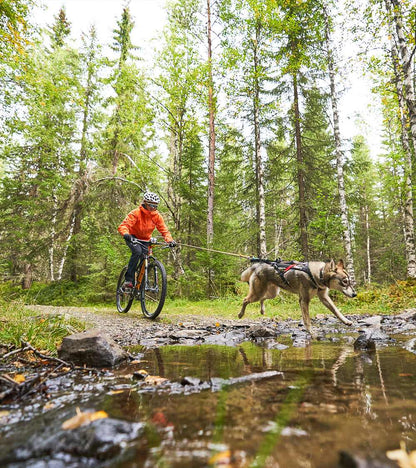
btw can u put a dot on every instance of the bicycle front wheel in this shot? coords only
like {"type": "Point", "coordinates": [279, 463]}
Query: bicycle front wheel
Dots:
{"type": "Point", "coordinates": [153, 290]}
{"type": "Point", "coordinates": [123, 300]}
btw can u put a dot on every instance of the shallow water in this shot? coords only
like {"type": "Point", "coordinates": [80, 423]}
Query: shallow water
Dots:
{"type": "Point", "coordinates": [324, 399]}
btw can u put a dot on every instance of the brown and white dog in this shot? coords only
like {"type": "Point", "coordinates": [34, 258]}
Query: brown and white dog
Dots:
{"type": "Point", "coordinates": [265, 282]}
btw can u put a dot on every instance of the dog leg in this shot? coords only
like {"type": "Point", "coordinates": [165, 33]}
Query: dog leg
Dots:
{"type": "Point", "coordinates": [304, 307]}
{"type": "Point", "coordinates": [262, 307]}
{"type": "Point", "coordinates": [243, 308]}
{"type": "Point", "coordinates": [328, 303]}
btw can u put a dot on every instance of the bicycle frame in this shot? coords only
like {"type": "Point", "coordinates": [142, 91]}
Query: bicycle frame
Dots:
{"type": "Point", "coordinates": [141, 272]}
{"type": "Point", "coordinates": [152, 296]}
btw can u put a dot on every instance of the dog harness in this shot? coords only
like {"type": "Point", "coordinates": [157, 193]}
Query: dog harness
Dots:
{"type": "Point", "coordinates": [282, 267]}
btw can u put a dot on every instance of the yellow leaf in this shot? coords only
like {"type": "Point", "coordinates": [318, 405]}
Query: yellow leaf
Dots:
{"type": "Point", "coordinates": [217, 324]}
{"type": "Point", "coordinates": [19, 378]}
{"type": "Point", "coordinates": [82, 419]}
{"type": "Point", "coordinates": [49, 406]}
{"type": "Point", "coordinates": [222, 458]}
{"type": "Point", "coordinates": [154, 380]}
{"type": "Point", "coordinates": [404, 459]}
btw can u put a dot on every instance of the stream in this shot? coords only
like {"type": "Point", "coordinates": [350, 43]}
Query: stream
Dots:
{"type": "Point", "coordinates": [265, 403]}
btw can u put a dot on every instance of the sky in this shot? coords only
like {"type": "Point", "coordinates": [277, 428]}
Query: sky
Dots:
{"type": "Point", "coordinates": [359, 110]}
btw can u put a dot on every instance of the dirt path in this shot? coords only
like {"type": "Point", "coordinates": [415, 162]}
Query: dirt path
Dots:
{"type": "Point", "coordinates": [132, 328]}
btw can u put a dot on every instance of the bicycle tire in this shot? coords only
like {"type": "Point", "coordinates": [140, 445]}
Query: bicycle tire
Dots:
{"type": "Point", "coordinates": [153, 291]}
{"type": "Point", "coordinates": [123, 300]}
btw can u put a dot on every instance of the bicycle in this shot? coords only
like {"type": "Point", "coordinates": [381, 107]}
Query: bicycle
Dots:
{"type": "Point", "coordinates": [150, 285]}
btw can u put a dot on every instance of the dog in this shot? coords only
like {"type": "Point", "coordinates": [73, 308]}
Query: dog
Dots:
{"type": "Point", "coordinates": [265, 280]}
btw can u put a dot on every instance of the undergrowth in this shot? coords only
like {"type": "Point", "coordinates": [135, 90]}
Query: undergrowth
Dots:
{"type": "Point", "coordinates": [43, 331]}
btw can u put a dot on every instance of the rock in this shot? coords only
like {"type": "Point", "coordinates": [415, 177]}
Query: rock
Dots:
{"type": "Point", "coordinates": [102, 439]}
{"type": "Point", "coordinates": [373, 321]}
{"type": "Point", "coordinates": [92, 348]}
{"type": "Point", "coordinates": [363, 342]}
{"type": "Point", "coordinates": [225, 339]}
{"type": "Point", "coordinates": [350, 460]}
{"type": "Point", "coordinates": [261, 331]}
{"type": "Point", "coordinates": [187, 334]}
{"type": "Point", "coordinates": [191, 381]}
{"type": "Point", "coordinates": [411, 345]}
{"type": "Point", "coordinates": [407, 314]}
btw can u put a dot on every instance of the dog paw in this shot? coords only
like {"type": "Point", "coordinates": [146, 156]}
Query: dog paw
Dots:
{"type": "Point", "coordinates": [348, 322]}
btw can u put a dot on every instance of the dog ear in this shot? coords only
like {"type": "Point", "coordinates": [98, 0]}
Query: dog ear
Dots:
{"type": "Point", "coordinates": [340, 264]}
{"type": "Point", "coordinates": [330, 266]}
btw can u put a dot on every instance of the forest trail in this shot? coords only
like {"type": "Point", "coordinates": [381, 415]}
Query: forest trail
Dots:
{"type": "Point", "coordinates": [129, 329]}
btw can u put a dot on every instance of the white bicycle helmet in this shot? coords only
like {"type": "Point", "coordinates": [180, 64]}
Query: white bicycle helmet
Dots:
{"type": "Point", "coordinates": [151, 197]}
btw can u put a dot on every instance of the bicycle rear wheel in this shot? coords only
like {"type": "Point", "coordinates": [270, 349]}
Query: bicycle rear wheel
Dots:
{"type": "Point", "coordinates": [153, 291]}
{"type": "Point", "coordinates": [123, 300]}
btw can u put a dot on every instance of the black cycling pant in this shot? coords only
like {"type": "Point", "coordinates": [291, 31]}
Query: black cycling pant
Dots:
{"type": "Point", "coordinates": [138, 251]}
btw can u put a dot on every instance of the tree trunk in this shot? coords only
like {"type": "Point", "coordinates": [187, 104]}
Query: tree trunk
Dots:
{"type": "Point", "coordinates": [349, 260]}
{"type": "Point", "coordinates": [211, 155]}
{"type": "Point", "coordinates": [407, 208]}
{"type": "Point", "coordinates": [303, 220]}
{"type": "Point", "coordinates": [68, 240]}
{"type": "Point", "coordinates": [175, 150]}
{"type": "Point", "coordinates": [261, 215]}
{"type": "Point", "coordinates": [405, 64]}
{"type": "Point", "coordinates": [52, 239]}
{"type": "Point", "coordinates": [367, 232]}
{"type": "Point", "coordinates": [27, 276]}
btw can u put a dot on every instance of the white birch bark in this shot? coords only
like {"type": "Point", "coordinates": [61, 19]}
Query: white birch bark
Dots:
{"type": "Point", "coordinates": [407, 106]}
{"type": "Point", "coordinates": [368, 244]}
{"type": "Point", "coordinates": [259, 163]}
{"type": "Point", "coordinates": [52, 239]}
{"type": "Point", "coordinates": [64, 254]}
{"type": "Point", "coordinates": [408, 218]}
{"type": "Point", "coordinates": [349, 260]}
{"type": "Point", "coordinates": [211, 156]}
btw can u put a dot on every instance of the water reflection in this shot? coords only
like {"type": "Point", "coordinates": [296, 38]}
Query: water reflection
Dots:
{"type": "Point", "coordinates": [306, 405]}
{"type": "Point", "coordinates": [328, 399]}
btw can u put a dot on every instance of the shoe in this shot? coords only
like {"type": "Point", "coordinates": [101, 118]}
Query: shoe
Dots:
{"type": "Point", "coordinates": [127, 286]}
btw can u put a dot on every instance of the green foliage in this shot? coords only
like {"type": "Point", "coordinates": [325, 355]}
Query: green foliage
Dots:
{"type": "Point", "coordinates": [84, 135]}
{"type": "Point", "coordinates": [42, 331]}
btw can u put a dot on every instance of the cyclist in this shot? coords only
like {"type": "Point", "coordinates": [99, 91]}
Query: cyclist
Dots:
{"type": "Point", "coordinates": [140, 224]}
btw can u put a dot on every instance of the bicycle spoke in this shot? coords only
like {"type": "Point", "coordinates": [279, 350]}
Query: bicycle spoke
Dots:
{"type": "Point", "coordinates": [153, 292]}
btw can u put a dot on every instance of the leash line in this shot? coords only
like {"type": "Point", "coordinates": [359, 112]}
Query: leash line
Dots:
{"type": "Point", "coordinates": [215, 251]}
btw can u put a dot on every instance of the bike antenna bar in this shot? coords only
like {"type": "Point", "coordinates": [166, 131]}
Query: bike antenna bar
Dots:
{"type": "Point", "coordinates": [215, 251]}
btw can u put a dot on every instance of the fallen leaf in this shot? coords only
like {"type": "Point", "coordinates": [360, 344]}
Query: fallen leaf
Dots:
{"type": "Point", "coordinates": [117, 392]}
{"type": "Point", "coordinates": [154, 380]}
{"type": "Point", "coordinates": [19, 378]}
{"type": "Point", "coordinates": [17, 364]}
{"type": "Point", "coordinates": [217, 324]}
{"type": "Point", "coordinates": [82, 419]}
{"type": "Point", "coordinates": [404, 459]}
{"type": "Point", "coordinates": [221, 458]}
{"type": "Point", "coordinates": [405, 375]}
{"type": "Point", "coordinates": [49, 405]}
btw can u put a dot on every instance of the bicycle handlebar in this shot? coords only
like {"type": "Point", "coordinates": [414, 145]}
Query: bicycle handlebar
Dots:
{"type": "Point", "coordinates": [153, 241]}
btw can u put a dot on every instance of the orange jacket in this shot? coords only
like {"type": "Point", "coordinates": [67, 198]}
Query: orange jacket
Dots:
{"type": "Point", "coordinates": [141, 223]}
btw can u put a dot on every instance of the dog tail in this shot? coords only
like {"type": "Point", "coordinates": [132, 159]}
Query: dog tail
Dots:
{"type": "Point", "coordinates": [246, 274]}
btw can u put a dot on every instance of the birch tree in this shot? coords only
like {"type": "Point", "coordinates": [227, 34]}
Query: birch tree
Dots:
{"type": "Point", "coordinates": [404, 81]}
{"type": "Point", "coordinates": [338, 148]}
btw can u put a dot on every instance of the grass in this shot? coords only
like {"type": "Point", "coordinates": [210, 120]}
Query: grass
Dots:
{"type": "Point", "coordinates": [44, 331]}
